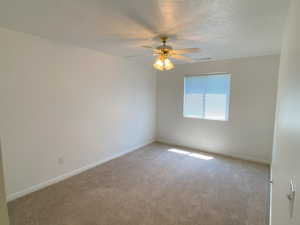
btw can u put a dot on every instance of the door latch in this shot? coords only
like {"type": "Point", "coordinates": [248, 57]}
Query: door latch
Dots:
{"type": "Point", "coordinates": [291, 196]}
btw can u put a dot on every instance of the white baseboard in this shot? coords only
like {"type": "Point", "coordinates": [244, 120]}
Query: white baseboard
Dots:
{"type": "Point", "coordinates": [228, 154]}
{"type": "Point", "coordinates": [44, 184]}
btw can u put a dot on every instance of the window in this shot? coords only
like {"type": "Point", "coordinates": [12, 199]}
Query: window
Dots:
{"type": "Point", "coordinates": [207, 96]}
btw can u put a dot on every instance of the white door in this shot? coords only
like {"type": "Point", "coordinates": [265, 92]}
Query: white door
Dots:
{"type": "Point", "coordinates": [286, 154]}
{"type": "Point", "coordinates": [3, 208]}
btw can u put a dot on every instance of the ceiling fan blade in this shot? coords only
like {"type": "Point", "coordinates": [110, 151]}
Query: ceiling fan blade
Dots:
{"type": "Point", "coordinates": [154, 50]}
{"type": "Point", "coordinates": [142, 55]}
{"type": "Point", "coordinates": [186, 50]}
{"type": "Point", "coordinates": [146, 46]}
{"type": "Point", "coordinates": [183, 58]}
{"type": "Point", "coordinates": [136, 56]}
{"type": "Point", "coordinates": [204, 59]}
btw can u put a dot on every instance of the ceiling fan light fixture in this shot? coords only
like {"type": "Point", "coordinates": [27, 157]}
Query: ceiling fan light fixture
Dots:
{"type": "Point", "coordinates": [162, 64]}
{"type": "Point", "coordinates": [165, 51]}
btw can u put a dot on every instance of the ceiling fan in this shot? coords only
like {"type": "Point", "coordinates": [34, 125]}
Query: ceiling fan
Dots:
{"type": "Point", "coordinates": [164, 52]}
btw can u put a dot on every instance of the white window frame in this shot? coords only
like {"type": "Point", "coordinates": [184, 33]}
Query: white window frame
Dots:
{"type": "Point", "coordinates": [228, 96]}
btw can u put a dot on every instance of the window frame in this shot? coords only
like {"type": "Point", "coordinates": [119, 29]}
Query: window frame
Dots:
{"type": "Point", "coordinates": [228, 96]}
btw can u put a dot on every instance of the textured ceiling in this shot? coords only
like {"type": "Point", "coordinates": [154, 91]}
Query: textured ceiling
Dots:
{"type": "Point", "coordinates": [221, 28]}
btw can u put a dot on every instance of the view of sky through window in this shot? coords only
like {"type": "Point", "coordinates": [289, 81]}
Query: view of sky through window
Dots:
{"type": "Point", "coordinates": [207, 96]}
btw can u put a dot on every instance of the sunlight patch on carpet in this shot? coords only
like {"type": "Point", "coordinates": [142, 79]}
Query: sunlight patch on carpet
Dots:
{"type": "Point", "coordinates": [191, 154]}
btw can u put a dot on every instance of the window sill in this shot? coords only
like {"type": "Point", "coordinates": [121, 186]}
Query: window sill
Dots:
{"type": "Point", "coordinates": [201, 118]}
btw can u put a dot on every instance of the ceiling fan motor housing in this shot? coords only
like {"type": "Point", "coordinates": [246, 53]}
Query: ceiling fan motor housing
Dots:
{"type": "Point", "coordinates": [165, 49]}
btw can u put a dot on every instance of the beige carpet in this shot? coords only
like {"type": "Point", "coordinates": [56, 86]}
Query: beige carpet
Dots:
{"type": "Point", "coordinates": [153, 186]}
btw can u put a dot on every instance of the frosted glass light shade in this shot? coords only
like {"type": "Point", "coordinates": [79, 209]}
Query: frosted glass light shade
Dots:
{"type": "Point", "coordinates": [163, 64]}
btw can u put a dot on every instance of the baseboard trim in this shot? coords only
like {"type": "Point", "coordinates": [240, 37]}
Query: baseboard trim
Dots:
{"type": "Point", "coordinates": [62, 177]}
{"type": "Point", "coordinates": [231, 155]}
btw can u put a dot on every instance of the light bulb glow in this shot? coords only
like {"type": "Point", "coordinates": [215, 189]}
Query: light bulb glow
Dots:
{"type": "Point", "coordinates": [162, 63]}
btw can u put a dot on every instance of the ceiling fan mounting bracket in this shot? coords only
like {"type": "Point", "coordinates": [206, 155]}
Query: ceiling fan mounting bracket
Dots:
{"type": "Point", "coordinates": [164, 39]}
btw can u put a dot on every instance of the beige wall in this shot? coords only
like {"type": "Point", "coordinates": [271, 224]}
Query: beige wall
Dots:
{"type": "Point", "coordinates": [286, 155]}
{"type": "Point", "coordinates": [64, 108]}
{"type": "Point", "coordinates": [249, 132]}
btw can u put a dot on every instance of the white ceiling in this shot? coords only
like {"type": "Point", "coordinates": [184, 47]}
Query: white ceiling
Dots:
{"type": "Point", "coordinates": [221, 28]}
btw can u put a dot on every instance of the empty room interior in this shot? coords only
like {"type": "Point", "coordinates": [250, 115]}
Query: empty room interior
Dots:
{"type": "Point", "coordinates": [149, 112]}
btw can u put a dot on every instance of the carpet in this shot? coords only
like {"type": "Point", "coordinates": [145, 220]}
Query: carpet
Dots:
{"type": "Point", "coordinates": [155, 185]}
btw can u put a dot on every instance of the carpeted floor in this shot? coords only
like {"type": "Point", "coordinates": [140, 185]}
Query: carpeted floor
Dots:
{"type": "Point", "coordinates": [155, 185]}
